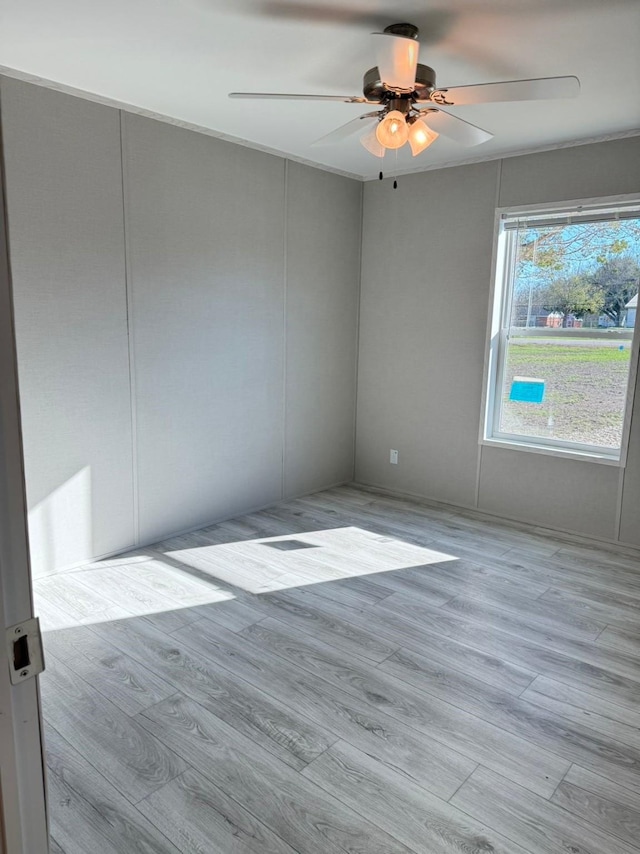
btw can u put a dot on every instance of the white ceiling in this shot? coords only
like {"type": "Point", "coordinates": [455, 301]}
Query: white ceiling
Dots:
{"type": "Point", "coordinates": [180, 58]}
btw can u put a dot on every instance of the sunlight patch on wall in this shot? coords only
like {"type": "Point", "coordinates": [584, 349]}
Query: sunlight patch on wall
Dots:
{"type": "Point", "coordinates": [53, 541]}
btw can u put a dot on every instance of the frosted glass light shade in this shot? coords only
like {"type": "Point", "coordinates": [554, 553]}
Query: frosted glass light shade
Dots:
{"type": "Point", "coordinates": [370, 141]}
{"type": "Point", "coordinates": [397, 61]}
{"type": "Point", "coordinates": [392, 131]}
{"type": "Point", "coordinates": [420, 137]}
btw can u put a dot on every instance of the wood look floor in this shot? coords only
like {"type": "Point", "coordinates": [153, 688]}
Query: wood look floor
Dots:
{"type": "Point", "coordinates": [347, 672]}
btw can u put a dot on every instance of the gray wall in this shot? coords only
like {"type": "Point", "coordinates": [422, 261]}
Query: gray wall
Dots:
{"type": "Point", "coordinates": [187, 318]}
{"type": "Point", "coordinates": [66, 239]}
{"type": "Point", "coordinates": [176, 299]}
{"type": "Point", "coordinates": [424, 308]}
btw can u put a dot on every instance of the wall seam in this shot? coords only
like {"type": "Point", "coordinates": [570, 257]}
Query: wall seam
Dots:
{"type": "Point", "coordinates": [617, 524]}
{"type": "Point", "coordinates": [285, 283]}
{"type": "Point", "coordinates": [485, 378]}
{"type": "Point", "coordinates": [357, 360]}
{"type": "Point", "coordinates": [130, 342]}
{"type": "Point", "coordinates": [478, 476]}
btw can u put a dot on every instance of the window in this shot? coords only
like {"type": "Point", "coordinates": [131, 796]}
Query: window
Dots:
{"type": "Point", "coordinates": [562, 353]}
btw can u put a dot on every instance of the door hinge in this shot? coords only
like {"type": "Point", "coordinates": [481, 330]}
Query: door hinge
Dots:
{"type": "Point", "coordinates": [25, 653]}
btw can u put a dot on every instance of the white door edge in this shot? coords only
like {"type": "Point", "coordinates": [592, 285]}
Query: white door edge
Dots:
{"type": "Point", "coordinates": [23, 815]}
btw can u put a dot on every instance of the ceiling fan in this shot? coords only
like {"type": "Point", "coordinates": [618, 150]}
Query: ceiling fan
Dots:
{"type": "Point", "coordinates": [410, 105]}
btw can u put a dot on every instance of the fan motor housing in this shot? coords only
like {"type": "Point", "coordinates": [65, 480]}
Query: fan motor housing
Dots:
{"type": "Point", "coordinates": [374, 89]}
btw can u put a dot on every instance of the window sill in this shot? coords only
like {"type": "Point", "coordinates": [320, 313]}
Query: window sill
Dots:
{"type": "Point", "coordinates": [547, 450]}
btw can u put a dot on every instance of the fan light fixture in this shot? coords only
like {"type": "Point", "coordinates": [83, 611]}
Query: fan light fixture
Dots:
{"type": "Point", "coordinates": [370, 142]}
{"type": "Point", "coordinates": [403, 90]}
{"type": "Point", "coordinates": [420, 137]}
{"type": "Point", "coordinates": [392, 132]}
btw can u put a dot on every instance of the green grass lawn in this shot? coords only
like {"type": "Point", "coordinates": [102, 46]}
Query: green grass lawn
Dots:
{"type": "Point", "coordinates": [585, 389]}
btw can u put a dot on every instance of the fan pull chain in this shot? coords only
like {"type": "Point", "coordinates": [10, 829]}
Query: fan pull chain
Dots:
{"type": "Point", "coordinates": [395, 180]}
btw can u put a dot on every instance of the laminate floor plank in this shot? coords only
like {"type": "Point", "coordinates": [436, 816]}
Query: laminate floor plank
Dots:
{"type": "Point", "coordinates": [301, 610]}
{"type": "Point", "coordinates": [119, 585]}
{"type": "Point", "coordinates": [173, 620]}
{"type": "Point", "coordinates": [421, 821]}
{"type": "Point", "coordinates": [573, 741]}
{"type": "Point", "coordinates": [272, 723]}
{"type": "Point", "coordinates": [589, 667]}
{"type": "Point", "coordinates": [617, 722]}
{"type": "Point", "coordinates": [463, 578]}
{"type": "Point", "coordinates": [475, 738]}
{"type": "Point", "coordinates": [617, 609]}
{"type": "Point", "coordinates": [533, 822]}
{"type": "Point", "coordinates": [88, 814]}
{"type": "Point", "coordinates": [489, 616]}
{"type": "Point", "coordinates": [494, 537]}
{"type": "Point", "coordinates": [356, 597]}
{"type": "Point", "coordinates": [201, 819]}
{"type": "Point", "coordinates": [372, 585]}
{"type": "Point", "coordinates": [52, 617]}
{"type": "Point", "coordinates": [228, 567]}
{"type": "Point", "coordinates": [627, 641]}
{"type": "Point", "coordinates": [597, 559]}
{"type": "Point", "coordinates": [65, 643]}
{"type": "Point", "coordinates": [81, 604]}
{"type": "Point", "coordinates": [183, 590]}
{"type": "Point", "coordinates": [445, 651]}
{"type": "Point", "coordinates": [562, 618]}
{"type": "Point", "coordinates": [529, 621]}
{"type": "Point", "coordinates": [591, 782]}
{"type": "Point", "coordinates": [549, 570]}
{"type": "Point", "coordinates": [565, 576]}
{"type": "Point", "coordinates": [600, 802]}
{"type": "Point", "coordinates": [302, 814]}
{"type": "Point", "coordinates": [233, 614]}
{"type": "Point", "coordinates": [484, 574]}
{"type": "Point", "coordinates": [349, 672]}
{"type": "Point", "coordinates": [126, 682]}
{"type": "Point", "coordinates": [133, 761]}
{"type": "Point", "coordinates": [418, 757]}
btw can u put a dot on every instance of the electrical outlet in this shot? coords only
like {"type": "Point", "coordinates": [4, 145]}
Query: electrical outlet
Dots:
{"type": "Point", "coordinates": [393, 458]}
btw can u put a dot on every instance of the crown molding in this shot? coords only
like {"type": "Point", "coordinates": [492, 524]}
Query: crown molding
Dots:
{"type": "Point", "coordinates": [26, 77]}
{"type": "Point", "coordinates": [521, 152]}
{"type": "Point", "coordinates": [171, 120]}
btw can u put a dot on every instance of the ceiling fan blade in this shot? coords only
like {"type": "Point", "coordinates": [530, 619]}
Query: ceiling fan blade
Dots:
{"type": "Point", "coordinates": [321, 12]}
{"type": "Point", "coordinates": [539, 89]}
{"type": "Point", "coordinates": [455, 128]}
{"type": "Point", "coordinates": [397, 60]}
{"type": "Point", "coordinates": [357, 125]}
{"type": "Point", "coordinates": [347, 99]}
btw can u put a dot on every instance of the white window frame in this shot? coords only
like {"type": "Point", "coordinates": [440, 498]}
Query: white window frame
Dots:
{"type": "Point", "coordinates": [500, 301]}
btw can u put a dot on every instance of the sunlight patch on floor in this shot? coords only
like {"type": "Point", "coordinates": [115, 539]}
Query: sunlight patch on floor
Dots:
{"type": "Point", "coordinates": [275, 563]}
{"type": "Point", "coordinates": [164, 581]}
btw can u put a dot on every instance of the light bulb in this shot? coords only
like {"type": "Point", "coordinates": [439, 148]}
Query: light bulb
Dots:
{"type": "Point", "coordinates": [370, 142]}
{"type": "Point", "coordinates": [392, 131]}
{"type": "Point", "coordinates": [420, 137]}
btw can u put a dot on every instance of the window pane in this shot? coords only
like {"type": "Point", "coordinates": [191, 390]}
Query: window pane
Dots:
{"type": "Point", "coordinates": [585, 387]}
{"type": "Point", "coordinates": [567, 333]}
